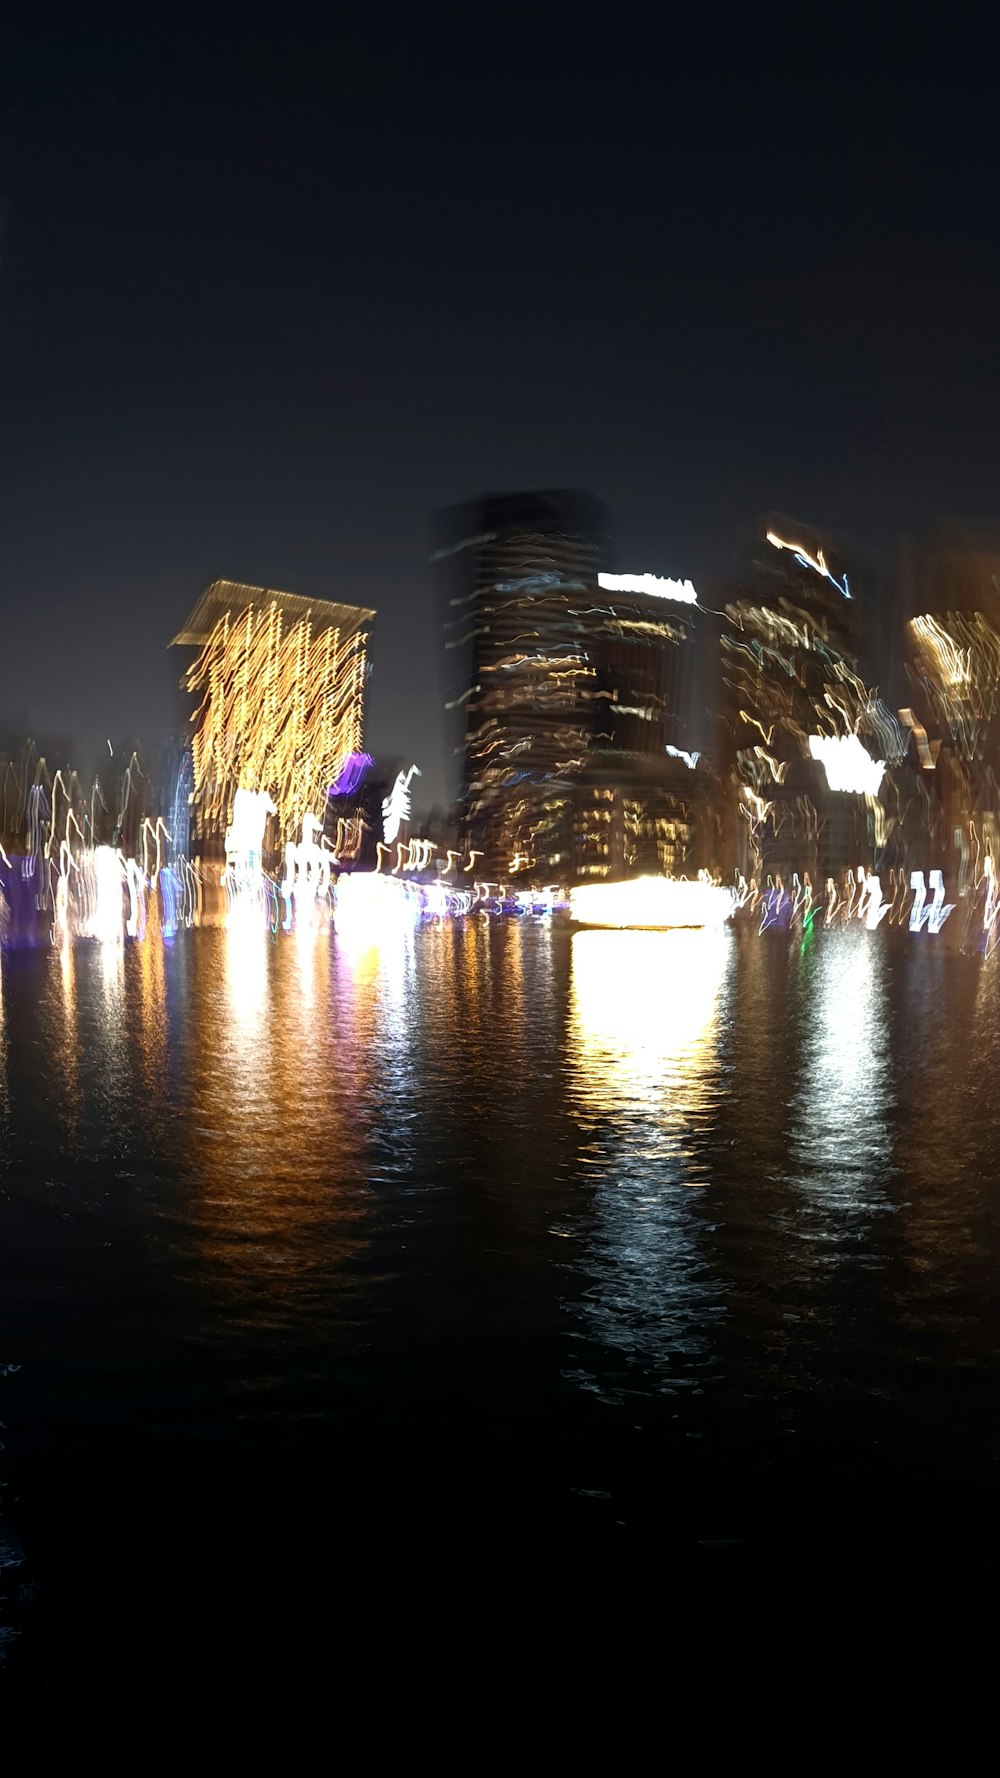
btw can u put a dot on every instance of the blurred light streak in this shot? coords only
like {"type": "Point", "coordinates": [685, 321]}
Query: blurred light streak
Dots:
{"type": "Point", "coordinates": [816, 562]}
{"type": "Point", "coordinates": [350, 775]}
{"type": "Point", "coordinates": [396, 806]}
{"type": "Point", "coordinates": [934, 916]}
{"type": "Point", "coordinates": [872, 908]}
{"type": "Point", "coordinates": [927, 751]}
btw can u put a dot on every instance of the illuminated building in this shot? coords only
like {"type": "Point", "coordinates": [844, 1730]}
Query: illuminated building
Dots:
{"type": "Point", "coordinates": [949, 691]}
{"type": "Point", "coordinates": [813, 746]}
{"type": "Point", "coordinates": [177, 786]}
{"type": "Point", "coordinates": [281, 683]}
{"type": "Point", "coordinates": [569, 683]}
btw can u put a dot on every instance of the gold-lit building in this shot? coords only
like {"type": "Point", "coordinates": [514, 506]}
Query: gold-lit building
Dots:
{"type": "Point", "coordinates": [280, 681]}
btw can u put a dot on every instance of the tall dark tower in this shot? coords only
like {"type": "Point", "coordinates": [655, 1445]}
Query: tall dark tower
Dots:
{"type": "Point", "coordinates": [567, 692]}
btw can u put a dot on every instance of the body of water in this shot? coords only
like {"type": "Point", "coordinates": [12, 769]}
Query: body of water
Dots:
{"type": "Point", "coordinates": [321, 1258]}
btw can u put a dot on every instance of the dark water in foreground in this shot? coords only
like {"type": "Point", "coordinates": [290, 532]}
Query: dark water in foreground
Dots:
{"type": "Point", "coordinates": [324, 1264]}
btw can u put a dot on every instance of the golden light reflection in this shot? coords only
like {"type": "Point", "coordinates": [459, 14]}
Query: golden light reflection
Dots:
{"type": "Point", "coordinates": [310, 951]}
{"type": "Point", "coordinates": [281, 1098]}
{"type": "Point", "coordinates": [247, 944]}
{"type": "Point", "coordinates": [112, 966]}
{"type": "Point", "coordinates": [151, 1037]}
{"type": "Point", "coordinates": [644, 1012]}
{"type": "Point", "coordinates": [644, 1084]}
{"type": "Point", "coordinates": [64, 1041]}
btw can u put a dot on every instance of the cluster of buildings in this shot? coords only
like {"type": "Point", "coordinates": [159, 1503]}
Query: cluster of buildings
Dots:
{"type": "Point", "coordinates": [812, 715]}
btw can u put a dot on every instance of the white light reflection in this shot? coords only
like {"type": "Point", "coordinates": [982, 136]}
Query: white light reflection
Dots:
{"type": "Point", "coordinates": [840, 1140]}
{"type": "Point", "coordinates": [644, 1022]}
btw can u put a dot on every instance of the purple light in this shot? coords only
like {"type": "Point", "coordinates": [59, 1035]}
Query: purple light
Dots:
{"type": "Point", "coordinates": [350, 775]}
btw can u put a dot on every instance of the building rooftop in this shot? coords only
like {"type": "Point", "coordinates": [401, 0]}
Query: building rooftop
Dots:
{"type": "Point", "coordinates": [536, 511]}
{"type": "Point", "coordinates": [232, 597]}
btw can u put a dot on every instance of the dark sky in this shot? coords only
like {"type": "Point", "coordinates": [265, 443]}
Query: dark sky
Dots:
{"type": "Point", "coordinates": [276, 282]}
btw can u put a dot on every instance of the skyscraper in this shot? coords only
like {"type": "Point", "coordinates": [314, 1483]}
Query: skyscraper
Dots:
{"type": "Point", "coordinates": [567, 692]}
{"type": "Point", "coordinates": [810, 737]}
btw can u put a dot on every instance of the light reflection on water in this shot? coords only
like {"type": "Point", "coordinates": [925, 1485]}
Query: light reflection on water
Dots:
{"type": "Point", "coordinates": [642, 1056]}
{"type": "Point", "coordinates": [840, 1135]}
{"type": "Point", "coordinates": [482, 1207]}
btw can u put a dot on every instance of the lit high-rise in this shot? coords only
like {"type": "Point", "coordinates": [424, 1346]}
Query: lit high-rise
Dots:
{"type": "Point", "coordinates": [567, 693]}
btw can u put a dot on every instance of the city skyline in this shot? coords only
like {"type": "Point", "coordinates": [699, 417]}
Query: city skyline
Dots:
{"type": "Point", "coordinates": [687, 285]}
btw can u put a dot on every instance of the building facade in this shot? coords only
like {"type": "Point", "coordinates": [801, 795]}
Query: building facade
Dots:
{"type": "Point", "coordinates": [280, 683]}
{"type": "Point", "coordinates": [567, 693]}
{"type": "Point", "coordinates": [814, 750]}
{"type": "Point", "coordinates": [949, 689]}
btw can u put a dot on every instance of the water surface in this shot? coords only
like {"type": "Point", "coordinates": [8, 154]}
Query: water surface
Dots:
{"type": "Point", "coordinates": [317, 1255]}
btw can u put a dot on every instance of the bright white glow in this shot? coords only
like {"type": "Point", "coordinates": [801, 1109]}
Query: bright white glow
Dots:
{"type": "Point", "coordinates": [643, 1018]}
{"type": "Point", "coordinates": [690, 759]}
{"type": "Point", "coordinates": [135, 882]}
{"type": "Point", "coordinates": [655, 584]}
{"type": "Point", "coordinates": [371, 906]}
{"type": "Point", "coordinates": [651, 903]}
{"type": "Point", "coordinates": [246, 979]}
{"type": "Point", "coordinates": [817, 562]}
{"type": "Point", "coordinates": [871, 906]}
{"type": "Point", "coordinates": [939, 909]}
{"type": "Point", "coordinates": [847, 764]}
{"type": "Point", "coordinates": [934, 915]}
{"type": "Point", "coordinates": [243, 877]}
{"type": "Point", "coordinates": [107, 918]}
{"type": "Point", "coordinates": [251, 809]}
{"type": "Point", "coordinates": [396, 806]}
{"type": "Point", "coordinates": [307, 870]}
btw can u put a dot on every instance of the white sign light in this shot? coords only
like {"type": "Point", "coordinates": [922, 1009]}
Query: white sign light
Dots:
{"type": "Point", "coordinates": [655, 584]}
{"type": "Point", "coordinates": [847, 764]}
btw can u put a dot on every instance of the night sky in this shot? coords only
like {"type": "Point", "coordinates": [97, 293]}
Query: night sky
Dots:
{"type": "Point", "coordinates": [275, 283]}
